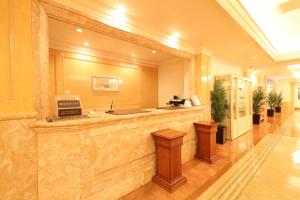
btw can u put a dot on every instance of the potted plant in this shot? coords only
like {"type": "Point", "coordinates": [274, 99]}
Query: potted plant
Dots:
{"type": "Point", "coordinates": [278, 102]}
{"type": "Point", "coordinates": [258, 101]}
{"type": "Point", "coordinates": [271, 100]}
{"type": "Point", "coordinates": [219, 109]}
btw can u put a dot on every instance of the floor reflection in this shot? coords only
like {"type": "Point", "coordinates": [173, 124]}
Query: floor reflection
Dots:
{"type": "Point", "coordinates": [201, 175]}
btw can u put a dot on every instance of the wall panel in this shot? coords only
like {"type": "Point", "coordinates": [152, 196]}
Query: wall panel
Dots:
{"type": "Point", "coordinates": [5, 75]}
{"type": "Point", "coordinates": [72, 74]}
{"type": "Point", "coordinates": [16, 93]}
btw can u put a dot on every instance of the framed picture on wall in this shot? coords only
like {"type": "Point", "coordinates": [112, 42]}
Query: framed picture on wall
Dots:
{"type": "Point", "coordinates": [105, 84]}
{"type": "Point", "coordinates": [298, 93]}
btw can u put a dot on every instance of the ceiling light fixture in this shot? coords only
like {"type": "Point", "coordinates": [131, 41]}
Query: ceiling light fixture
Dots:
{"type": "Point", "coordinates": [133, 54]}
{"type": "Point", "coordinates": [153, 51]}
{"type": "Point", "coordinates": [117, 18]}
{"type": "Point", "coordinates": [79, 30]}
{"type": "Point", "coordinates": [253, 57]}
{"type": "Point", "coordinates": [172, 40]}
{"type": "Point", "coordinates": [86, 44]}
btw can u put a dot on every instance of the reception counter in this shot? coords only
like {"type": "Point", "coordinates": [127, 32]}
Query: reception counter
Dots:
{"type": "Point", "coordinates": [107, 156]}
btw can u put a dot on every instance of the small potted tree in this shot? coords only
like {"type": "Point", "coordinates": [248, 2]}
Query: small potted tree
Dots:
{"type": "Point", "coordinates": [219, 109]}
{"type": "Point", "coordinates": [258, 101]}
{"type": "Point", "coordinates": [278, 103]}
{"type": "Point", "coordinates": [271, 100]}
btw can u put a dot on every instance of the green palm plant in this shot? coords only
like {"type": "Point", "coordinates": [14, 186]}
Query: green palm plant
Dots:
{"type": "Point", "coordinates": [278, 102]}
{"type": "Point", "coordinates": [219, 104]}
{"type": "Point", "coordinates": [279, 99]}
{"type": "Point", "coordinates": [271, 100]}
{"type": "Point", "coordinates": [219, 109]}
{"type": "Point", "coordinates": [258, 100]}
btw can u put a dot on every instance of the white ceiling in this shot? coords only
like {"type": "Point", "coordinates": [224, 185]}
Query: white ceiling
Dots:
{"type": "Point", "coordinates": [267, 40]}
{"type": "Point", "coordinates": [279, 20]}
{"type": "Point", "coordinates": [202, 24]}
{"type": "Point", "coordinates": [65, 37]}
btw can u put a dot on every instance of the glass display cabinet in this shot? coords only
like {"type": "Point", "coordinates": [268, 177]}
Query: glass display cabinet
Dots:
{"type": "Point", "coordinates": [239, 97]}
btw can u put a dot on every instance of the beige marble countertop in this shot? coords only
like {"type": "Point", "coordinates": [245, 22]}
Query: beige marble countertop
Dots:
{"type": "Point", "coordinates": [102, 117]}
{"type": "Point", "coordinates": [17, 116]}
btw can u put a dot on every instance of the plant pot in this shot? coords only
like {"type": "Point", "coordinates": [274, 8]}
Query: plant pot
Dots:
{"type": "Point", "coordinates": [256, 118]}
{"type": "Point", "coordinates": [278, 109]}
{"type": "Point", "coordinates": [221, 135]}
{"type": "Point", "coordinates": [270, 112]}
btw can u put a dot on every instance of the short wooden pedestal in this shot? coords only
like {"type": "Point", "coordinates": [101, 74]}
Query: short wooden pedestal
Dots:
{"type": "Point", "coordinates": [206, 133]}
{"type": "Point", "coordinates": [168, 159]}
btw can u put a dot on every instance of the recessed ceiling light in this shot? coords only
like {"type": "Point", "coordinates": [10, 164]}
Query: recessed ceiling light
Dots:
{"type": "Point", "coordinates": [172, 40]}
{"type": "Point", "coordinates": [153, 51]}
{"type": "Point", "coordinates": [133, 54]}
{"type": "Point", "coordinates": [79, 30]}
{"type": "Point", "coordinates": [86, 44]}
{"type": "Point", "coordinates": [121, 9]}
{"type": "Point", "coordinates": [117, 18]}
{"type": "Point", "coordinates": [177, 34]}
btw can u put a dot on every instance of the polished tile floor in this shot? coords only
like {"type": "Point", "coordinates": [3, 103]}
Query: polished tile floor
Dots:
{"type": "Point", "coordinates": [202, 176]}
{"type": "Point", "coordinates": [270, 171]}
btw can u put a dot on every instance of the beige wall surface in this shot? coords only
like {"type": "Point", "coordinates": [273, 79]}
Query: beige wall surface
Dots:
{"type": "Point", "coordinates": [170, 80]}
{"type": "Point", "coordinates": [284, 86]}
{"type": "Point", "coordinates": [16, 93]}
{"type": "Point", "coordinates": [295, 96]}
{"type": "Point", "coordinates": [221, 66]}
{"type": "Point", "coordinates": [72, 74]}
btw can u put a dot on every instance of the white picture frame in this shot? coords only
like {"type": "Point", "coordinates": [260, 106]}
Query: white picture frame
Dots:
{"type": "Point", "coordinates": [105, 84]}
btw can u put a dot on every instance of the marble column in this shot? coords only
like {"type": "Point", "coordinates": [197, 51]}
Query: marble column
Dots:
{"type": "Point", "coordinates": [203, 79]}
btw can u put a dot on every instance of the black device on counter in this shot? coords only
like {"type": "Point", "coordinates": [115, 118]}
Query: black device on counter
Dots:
{"type": "Point", "coordinates": [176, 101]}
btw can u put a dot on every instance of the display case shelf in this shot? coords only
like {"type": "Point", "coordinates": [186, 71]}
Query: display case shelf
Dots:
{"type": "Point", "coordinates": [239, 98]}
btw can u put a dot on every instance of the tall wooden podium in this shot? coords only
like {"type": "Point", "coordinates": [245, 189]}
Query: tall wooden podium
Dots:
{"type": "Point", "coordinates": [168, 159]}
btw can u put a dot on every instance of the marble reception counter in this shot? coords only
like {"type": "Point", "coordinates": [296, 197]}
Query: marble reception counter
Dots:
{"type": "Point", "coordinates": [108, 156]}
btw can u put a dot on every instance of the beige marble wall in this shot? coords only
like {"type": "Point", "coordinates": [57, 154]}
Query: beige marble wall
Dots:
{"type": "Point", "coordinates": [108, 160]}
{"type": "Point", "coordinates": [18, 160]}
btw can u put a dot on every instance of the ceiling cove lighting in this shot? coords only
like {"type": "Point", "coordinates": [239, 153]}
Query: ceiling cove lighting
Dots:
{"type": "Point", "coordinates": [172, 40]}
{"type": "Point", "coordinates": [117, 18]}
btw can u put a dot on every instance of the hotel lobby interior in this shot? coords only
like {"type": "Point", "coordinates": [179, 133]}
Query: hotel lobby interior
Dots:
{"type": "Point", "coordinates": [149, 99]}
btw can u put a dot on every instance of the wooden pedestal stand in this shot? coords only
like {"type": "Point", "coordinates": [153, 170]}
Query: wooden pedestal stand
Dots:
{"type": "Point", "coordinates": [168, 159]}
{"type": "Point", "coordinates": [206, 145]}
